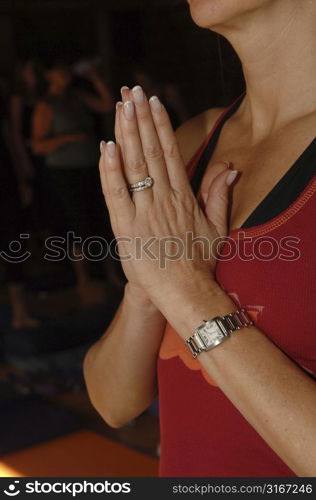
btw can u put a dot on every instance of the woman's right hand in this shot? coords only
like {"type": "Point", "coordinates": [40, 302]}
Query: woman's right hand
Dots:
{"type": "Point", "coordinates": [214, 204]}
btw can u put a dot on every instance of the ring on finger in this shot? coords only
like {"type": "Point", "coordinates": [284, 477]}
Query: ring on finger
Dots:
{"type": "Point", "coordinates": [141, 185]}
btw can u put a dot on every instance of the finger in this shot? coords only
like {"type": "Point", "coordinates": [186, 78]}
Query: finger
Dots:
{"type": "Point", "coordinates": [117, 127]}
{"type": "Point", "coordinates": [152, 149]}
{"type": "Point", "coordinates": [125, 93]}
{"type": "Point", "coordinates": [174, 162]}
{"type": "Point", "coordinates": [114, 187]}
{"type": "Point", "coordinates": [217, 203]}
{"type": "Point", "coordinates": [112, 215]}
{"type": "Point", "coordinates": [118, 131]}
{"type": "Point", "coordinates": [212, 171]}
{"type": "Point", "coordinates": [135, 164]}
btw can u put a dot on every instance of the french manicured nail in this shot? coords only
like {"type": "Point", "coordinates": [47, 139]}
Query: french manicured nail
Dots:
{"type": "Point", "coordinates": [155, 104]}
{"type": "Point", "coordinates": [124, 88]}
{"type": "Point", "coordinates": [119, 104]}
{"type": "Point", "coordinates": [129, 110]}
{"type": "Point", "coordinates": [231, 177]}
{"type": "Point", "coordinates": [138, 94]}
{"type": "Point", "coordinates": [204, 197]}
{"type": "Point", "coordinates": [102, 144]}
{"type": "Point", "coordinates": [111, 148]}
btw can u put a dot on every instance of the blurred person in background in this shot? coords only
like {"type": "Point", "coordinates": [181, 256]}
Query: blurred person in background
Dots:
{"type": "Point", "coordinates": [26, 91]}
{"type": "Point", "coordinates": [64, 133]}
{"type": "Point", "coordinates": [166, 91]}
{"type": "Point", "coordinates": [224, 334]}
{"type": "Point", "coordinates": [14, 196]}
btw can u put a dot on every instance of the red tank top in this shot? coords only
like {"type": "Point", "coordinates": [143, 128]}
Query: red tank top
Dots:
{"type": "Point", "coordinates": [202, 433]}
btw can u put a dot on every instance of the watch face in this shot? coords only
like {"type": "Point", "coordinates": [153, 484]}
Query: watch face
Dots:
{"type": "Point", "coordinates": [211, 334]}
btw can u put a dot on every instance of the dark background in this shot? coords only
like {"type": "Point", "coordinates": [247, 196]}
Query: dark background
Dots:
{"type": "Point", "coordinates": [42, 392]}
{"type": "Point", "coordinates": [156, 34]}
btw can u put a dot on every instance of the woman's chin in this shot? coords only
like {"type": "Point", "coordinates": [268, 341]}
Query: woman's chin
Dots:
{"type": "Point", "coordinates": [208, 13]}
{"type": "Point", "coordinates": [213, 14]}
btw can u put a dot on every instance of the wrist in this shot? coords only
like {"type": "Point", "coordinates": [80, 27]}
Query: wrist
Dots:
{"type": "Point", "coordinates": [191, 306]}
{"type": "Point", "coordinates": [138, 298]}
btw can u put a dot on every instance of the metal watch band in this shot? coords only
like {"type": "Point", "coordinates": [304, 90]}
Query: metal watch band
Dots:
{"type": "Point", "coordinates": [227, 324]}
{"type": "Point", "coordinates": [237, 320]}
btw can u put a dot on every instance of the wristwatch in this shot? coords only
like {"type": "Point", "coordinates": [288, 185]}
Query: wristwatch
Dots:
{"type": "Point", "coordinates": [213, 332]}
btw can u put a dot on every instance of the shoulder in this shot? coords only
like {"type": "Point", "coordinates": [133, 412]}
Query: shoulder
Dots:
{"type": "Point", "coordinates": [192, 133]}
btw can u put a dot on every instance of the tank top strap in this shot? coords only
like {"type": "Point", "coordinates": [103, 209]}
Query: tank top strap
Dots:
{"type": "Point", "coordinates": [200, 160]}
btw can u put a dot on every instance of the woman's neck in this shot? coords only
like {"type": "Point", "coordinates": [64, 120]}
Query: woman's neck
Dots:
{"type": "Point", "coordinates": [278, 59]}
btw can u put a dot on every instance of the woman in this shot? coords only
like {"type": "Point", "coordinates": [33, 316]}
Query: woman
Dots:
{"type": "Point", "coordinates": [247, 406]}
{"type": "Point", "coordinates": [11, 226]}
{"type": "Point", "coordinates": [64, 132]}
{"type": "Point", "coordinates": [21, 108]}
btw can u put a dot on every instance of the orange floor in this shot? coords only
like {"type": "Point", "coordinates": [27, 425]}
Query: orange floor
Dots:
{"type": "Point", "coordinates": [81, 454]}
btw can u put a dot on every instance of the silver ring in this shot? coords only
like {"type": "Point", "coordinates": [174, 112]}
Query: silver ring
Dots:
{"type": "Point", "coordinates": [141, 185]}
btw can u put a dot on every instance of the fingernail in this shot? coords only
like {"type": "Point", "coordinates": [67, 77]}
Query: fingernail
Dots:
{"type": "Point", "coordinates": [111, 148]}
{"type": "Point", "coordinates": [138, 94]}
{"type": "Point", "coordinates": [204, 197]}
{"type": "Point", "coordinates": [155, 104]}
{"type": "Point", "coordinates": [124, 88]}
{"type": "Point", "coordinates": [231, 177]}
{"type": "Point", "coordinates": [102, 144]}
{"type": "Point", "coordinates": [119, 104]}
{"type": "Point", "coordinates": [129, 110]}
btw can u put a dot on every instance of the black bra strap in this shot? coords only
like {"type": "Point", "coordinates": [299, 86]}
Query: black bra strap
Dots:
{"type": "Point", "coordinates": [284, 193]}
{"type": "Point", "coordinates": [208, 151]}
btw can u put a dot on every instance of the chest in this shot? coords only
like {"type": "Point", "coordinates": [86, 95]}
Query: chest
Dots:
{"type": "Point", "coordinates": [261, 167]}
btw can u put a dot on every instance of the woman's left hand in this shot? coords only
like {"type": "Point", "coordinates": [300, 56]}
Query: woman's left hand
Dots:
{"type": "Point", "coordinates": [167, 243]}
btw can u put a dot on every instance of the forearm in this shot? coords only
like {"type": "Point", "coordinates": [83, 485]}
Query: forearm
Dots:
{"type": "Point", "coordinates": [106, 99]}
{"type": "Point", "coordinates": [276, 397]}
{"type": "Point", "coordinates": [120, 369]}
{"type": "Point", "coordinates": [49, 145]}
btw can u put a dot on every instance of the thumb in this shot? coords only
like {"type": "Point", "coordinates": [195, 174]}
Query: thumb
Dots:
{"type": "Point", "coordinates": [216, 204]}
